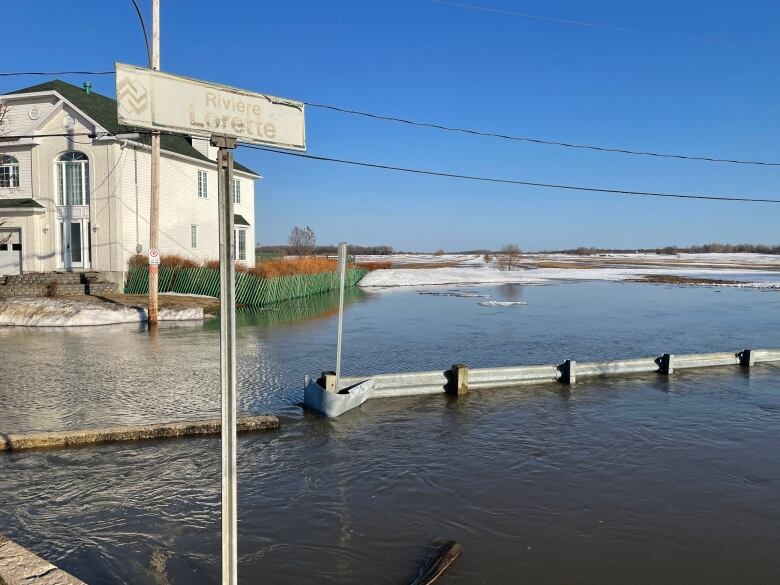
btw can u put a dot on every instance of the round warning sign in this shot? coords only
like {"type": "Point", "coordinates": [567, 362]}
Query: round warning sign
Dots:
{"type": "Point", "coordinates": [154, 257]}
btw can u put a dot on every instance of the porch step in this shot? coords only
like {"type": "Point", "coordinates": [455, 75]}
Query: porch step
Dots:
{"type": "Point", "coordinates": [43, 284]}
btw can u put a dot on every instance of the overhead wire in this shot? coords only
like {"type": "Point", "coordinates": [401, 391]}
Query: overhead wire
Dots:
{"type": "Point", "coordinates": [514, 181]}
{"type": "Point", "coordinates": [484, 133]}
{"type": "Point", "coordinates": [428, 172]}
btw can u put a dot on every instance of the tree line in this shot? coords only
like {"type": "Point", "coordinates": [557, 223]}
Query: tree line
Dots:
{"type": "Point", "coordinates": [713, 248]}
{"type": "Point", "coordinates": [302, 241]}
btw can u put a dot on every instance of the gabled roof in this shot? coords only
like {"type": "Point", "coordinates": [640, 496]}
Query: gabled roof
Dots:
{"type": "Point", "coordinates": [103, 110]}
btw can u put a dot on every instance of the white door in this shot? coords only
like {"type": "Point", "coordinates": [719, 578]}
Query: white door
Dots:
{"type": "Point", "coordinates": [72, 244]}
{"type": "Point", "coordinates": [10, 252]}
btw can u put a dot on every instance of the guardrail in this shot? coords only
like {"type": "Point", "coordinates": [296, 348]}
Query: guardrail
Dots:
{"type": "Point", "coordinates": [460, 378]}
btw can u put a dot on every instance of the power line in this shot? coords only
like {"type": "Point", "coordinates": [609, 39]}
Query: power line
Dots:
{"type": "Point", "coordinates": [438, 173]}
{"type": "Point", "coordinates": [515, 181]}
{"type": "Point", "coordinates": [540, 140]}
{"type": "Point", "coordinates": [23, 73]}
{"type": "Point", "coordinates": [13, 137]}
{"type": "Point", "coordinates": [483, 133]}
{"type": "Point", "coordinates": [581, 23]}
{"type": "Point", "coordinates": [146, 36]}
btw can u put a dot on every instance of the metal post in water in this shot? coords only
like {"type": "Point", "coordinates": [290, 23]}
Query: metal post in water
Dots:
{"type": "Point", "coordinates": [227, 358]}
{"type": "Point", "coordinates": [342, 278]}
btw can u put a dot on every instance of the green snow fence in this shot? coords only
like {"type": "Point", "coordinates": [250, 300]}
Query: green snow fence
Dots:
{"type": "Point", "coordinates": [251, 290]}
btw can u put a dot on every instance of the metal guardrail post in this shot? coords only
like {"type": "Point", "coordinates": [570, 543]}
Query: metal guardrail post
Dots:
{"type": "Point", "coordinates": [568, 371]}
{"type": "Point", "coordinates": [666, 364]}
{"type": "Point", "coordinates": [327, 381]}
{"type": "Point", "coordinates": [458, 383]}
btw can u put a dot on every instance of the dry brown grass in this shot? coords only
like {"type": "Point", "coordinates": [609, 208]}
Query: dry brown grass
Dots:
{"type": "Point", "coordinates": [177, 260]}
{"type": "Point", "coordinates": [291, 266]}
{"type": "Point", "coordinates": [572, 265]}
{"type": "Point", "coordinates": [416, 265]}
{"type": "Point", "coordinates": [682, 280]}
{"type": "Point", "coordinates": [265, 269]}
{"type": "Point", "coordinates": [383, 265]}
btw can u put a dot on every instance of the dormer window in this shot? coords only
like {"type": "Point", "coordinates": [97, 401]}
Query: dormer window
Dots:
{"type": "Point", "coordinates": [9, 171]}
{"type": "Point", "coordinates": [73, 179]}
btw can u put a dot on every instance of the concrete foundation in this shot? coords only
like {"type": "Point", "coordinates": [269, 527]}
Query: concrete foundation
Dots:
{"type": "Point", "coordinates": [213, 426]}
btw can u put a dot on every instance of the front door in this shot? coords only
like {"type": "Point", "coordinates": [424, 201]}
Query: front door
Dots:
{"type": "Point", "coordinates": [10, 252]}
{"type": "Point", "coordinates": [73, 238]}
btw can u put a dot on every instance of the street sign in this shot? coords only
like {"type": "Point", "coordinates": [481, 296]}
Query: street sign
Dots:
{"type": "Point", "coordinates": [154, 257]}
{"type": "Point", "coordinates": [160, 101]}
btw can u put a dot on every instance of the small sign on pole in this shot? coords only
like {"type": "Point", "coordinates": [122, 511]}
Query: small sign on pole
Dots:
{"type": "Point", "coordinates": [154, 257]}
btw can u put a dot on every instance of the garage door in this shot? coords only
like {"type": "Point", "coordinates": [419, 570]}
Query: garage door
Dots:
{"type": "Point", "coordinates": [10, 252]}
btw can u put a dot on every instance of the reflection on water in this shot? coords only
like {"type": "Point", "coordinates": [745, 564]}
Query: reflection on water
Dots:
{"type": "Point", "coordinates": [510, 292]}
{"type": "Point", "coordinates": [672, 480]}
{"type": "Point", "coordinates": [320, 306]}
{"type": "Point", "coordinates": [118, 375]}
{"type": "Point", "coordinates": [665, 480]}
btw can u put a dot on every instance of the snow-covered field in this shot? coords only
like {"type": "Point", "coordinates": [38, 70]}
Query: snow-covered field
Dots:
{"type": "Point", "coordinates": [752, 270]}
{"type": "Point", "coordinates": [44, 312]}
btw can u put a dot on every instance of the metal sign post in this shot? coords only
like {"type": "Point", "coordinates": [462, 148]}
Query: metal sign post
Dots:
{"type": "Point", "coordinates": [226, 115]}
{"type": "Point", "coordinates": [342, 277]}
{"type": "Point", "coordinates": [227, 346]}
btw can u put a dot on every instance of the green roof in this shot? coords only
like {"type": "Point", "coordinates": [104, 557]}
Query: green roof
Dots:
{"type": "Point", "coordinates": [26, 203]}
{"type": "Point", "coordinates": [103, 110]}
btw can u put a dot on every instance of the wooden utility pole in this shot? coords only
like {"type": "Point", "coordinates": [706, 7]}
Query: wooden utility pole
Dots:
{"type": "Point", "coordinates": [154, 207]}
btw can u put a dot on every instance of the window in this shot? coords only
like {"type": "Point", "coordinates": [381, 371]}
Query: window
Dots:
{"type": "Point", "coordinates": [194, 236]}
{"type": "Point", "coordinates": [73, 179]}
{"type": "Point", "coordinates": [9, 171]}
{"type": "Point", "coordinates": [236, 191]}
{"type": "Point", "coordinates": [239, 244]}
{"type": "Point", "coordinates": [203, 185]}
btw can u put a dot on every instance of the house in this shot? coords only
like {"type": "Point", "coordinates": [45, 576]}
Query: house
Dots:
{"type": "Point", "coordinates": [78, 202]}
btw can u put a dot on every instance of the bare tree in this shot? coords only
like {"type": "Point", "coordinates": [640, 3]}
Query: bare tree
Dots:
{"type": "Point", "coordinates": [509, 257]}
{"type": "Point", "coordinates": [302, 241]}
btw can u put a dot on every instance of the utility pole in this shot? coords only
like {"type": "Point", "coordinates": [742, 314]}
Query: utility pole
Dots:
{"type": "Point", "coordinates": [154, 206]}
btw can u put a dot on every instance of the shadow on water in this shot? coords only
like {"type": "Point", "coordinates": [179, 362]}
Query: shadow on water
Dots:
{"type": "Point", "coordinates": [321, 306]}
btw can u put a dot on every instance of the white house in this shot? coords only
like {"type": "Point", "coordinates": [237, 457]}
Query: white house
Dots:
{"type": "Point", "coordinates": [81, 202]}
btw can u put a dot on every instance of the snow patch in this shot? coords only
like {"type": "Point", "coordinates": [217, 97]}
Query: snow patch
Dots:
{"type": "Point", "coordinates": [474, 270]}
{"type": "Point", "coordinates": [502, 303]}
{"type": "Point", "coordinates": [47, 312]}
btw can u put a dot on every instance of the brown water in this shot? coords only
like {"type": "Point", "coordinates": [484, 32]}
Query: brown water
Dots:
{"type": "Point", "coordinates": [640, 479]}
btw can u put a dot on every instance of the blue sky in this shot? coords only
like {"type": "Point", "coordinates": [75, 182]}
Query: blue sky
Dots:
{"type": "Point", "coordinates": [694, 78]}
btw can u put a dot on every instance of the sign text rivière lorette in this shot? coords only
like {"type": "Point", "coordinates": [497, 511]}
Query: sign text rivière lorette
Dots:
{"type": "Point", "coordinates": [160, 101]}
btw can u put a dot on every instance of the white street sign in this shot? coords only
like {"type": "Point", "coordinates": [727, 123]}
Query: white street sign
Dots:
{"type": "Point", "coordinates": [154, 257]}
{"type": "Point", "coordinates": [160, 101]}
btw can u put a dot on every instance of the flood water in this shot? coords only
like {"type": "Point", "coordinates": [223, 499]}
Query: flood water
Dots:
{"type": "Point", "coordinates": [639, 479]}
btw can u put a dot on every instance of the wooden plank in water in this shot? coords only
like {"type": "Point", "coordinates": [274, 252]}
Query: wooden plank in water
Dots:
{"type": "Point", "coordinates": [438, 563]}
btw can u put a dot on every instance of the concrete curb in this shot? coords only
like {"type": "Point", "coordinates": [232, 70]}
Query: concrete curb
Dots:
{"type": "Point", "coordinates": [19, 566]}
{"type": "Point", "coordinates": [212, 426]}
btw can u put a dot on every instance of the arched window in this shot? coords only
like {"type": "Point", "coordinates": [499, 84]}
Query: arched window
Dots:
{"type": "Point", "coordinates": [9, 171]}
{"type": "Point", "coordinates": [73, 179]}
